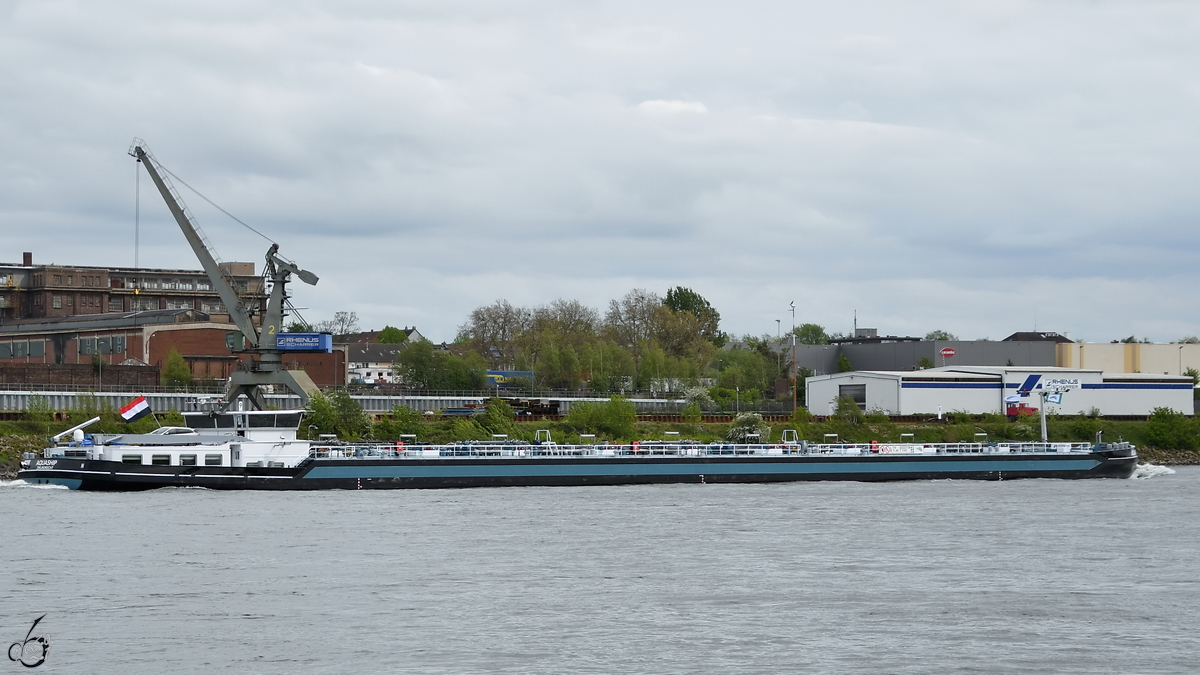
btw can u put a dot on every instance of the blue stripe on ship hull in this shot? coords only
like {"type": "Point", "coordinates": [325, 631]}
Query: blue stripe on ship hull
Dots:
{"type": "Point", "coordinates": [449, 470]}
{"type": "Point", "coordinates": [72, 483]}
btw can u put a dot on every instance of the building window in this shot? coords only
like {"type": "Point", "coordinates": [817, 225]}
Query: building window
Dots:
{"type": "Point", "coordinates": [179, 303]}
{"type": "Point", "coordinates": [187, 460]}
{"type": "Point", "coordinates": [114, 305]}
{"type": "Point", "coordinates": [212, 460]}
{"type": "Point", "coordinates": [211, 307]}
{"type": "Point", "coordinates": [145, 303]}
{"type": "Point", "coordinates": [56, 302]}
{"type": "Point", "coordinates": [160, 460]}
{"type": "Point", "coordinates": [37, 301]}
{"type": "Point", "coordinates": [203, 286]}
{"type": "Point", "coordinates": [131, 459]}
{"type": "Point", "coordinates": [70, 280]}
{"type": "Point", "coordinates": [58, 280]}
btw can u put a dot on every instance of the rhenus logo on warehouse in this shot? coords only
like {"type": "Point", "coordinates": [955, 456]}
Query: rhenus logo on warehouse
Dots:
{"type": "Point", "coordinates": [983, 389]}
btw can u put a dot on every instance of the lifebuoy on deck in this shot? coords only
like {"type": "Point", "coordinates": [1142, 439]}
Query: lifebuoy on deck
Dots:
{"type": "Point", "coordinates": [874, 446]}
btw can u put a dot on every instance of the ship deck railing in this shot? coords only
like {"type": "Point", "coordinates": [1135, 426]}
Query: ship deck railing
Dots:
{"type": "Point", "coordinates": [675, 449]}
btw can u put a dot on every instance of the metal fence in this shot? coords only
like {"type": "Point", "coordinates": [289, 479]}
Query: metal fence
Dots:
{"type": "Point", "coordinates": [55, 397]}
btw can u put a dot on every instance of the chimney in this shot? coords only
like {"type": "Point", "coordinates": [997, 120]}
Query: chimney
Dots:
{"type": "Point", "coordinates": [27, 258]}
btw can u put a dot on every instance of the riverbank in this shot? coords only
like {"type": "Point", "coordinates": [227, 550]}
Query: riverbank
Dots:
{"type": "Point", "coordinates": [1169, 457]}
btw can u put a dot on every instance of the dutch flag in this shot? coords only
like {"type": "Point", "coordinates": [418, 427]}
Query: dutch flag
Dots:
{"type": "Point", "coordinates": [135, 409]}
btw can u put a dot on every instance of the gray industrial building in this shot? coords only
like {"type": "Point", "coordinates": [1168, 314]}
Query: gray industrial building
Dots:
{"type": "Point", "coordinates": [869, 351]}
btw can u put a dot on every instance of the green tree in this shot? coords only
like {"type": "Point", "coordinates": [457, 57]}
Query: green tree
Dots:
{"type": "Point", "coordinates": [1195, 375]}
{"type": "Point", "coordinates": [811, 334]}
{"type": "Point", "coordinates": [926, 362]}
{"type": "Point", "coordinates": [175, 372]}
{"type": "Point", "coordinates": [390, 335]}
{"type": "Point", "coordinates": [420, 364]}
{"type": "Point", "coordinates": [338, 413]}
{"type": "Point", "coordinates": [940, 335]}
{"type": "Point", "coordinates": [843, 364]}
{"type": "Point", "coordinates": [1189, 340]}
{"type": "Point", "coordinates": [680, 299]}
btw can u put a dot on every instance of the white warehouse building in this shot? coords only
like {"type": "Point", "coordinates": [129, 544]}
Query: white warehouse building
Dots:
{"type": "Point", "coordinates": [983, 389]}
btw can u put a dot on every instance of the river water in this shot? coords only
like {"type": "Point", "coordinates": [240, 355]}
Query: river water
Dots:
{"type": "Point", "coordinates": [1045, 576]}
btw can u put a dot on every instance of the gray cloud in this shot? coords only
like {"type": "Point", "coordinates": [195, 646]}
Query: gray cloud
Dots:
{"type": "Point", "coordinates": [961, 165]}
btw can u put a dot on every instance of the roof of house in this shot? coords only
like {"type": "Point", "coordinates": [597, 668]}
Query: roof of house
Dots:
{"type": "Point", "coordinates": [373, 353]}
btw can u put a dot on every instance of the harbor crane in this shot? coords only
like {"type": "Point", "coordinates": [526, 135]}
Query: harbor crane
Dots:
{"type": "Point", "coordinates": [260, 341]}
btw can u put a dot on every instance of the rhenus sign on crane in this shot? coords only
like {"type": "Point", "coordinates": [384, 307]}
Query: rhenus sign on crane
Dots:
{"type": "Point", "coordinates": [304, 342]}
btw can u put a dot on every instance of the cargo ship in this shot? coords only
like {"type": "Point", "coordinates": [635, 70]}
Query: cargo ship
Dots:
{"type": "Point", "coordinates": [260, 450]}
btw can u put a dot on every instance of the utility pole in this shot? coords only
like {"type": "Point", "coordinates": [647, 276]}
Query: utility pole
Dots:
{"type": "Point", "coordinates": [795, 368]}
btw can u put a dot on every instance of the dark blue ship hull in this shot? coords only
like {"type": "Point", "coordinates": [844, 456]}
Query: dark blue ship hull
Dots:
{"type": "Point", "coordinates": [457, 472]}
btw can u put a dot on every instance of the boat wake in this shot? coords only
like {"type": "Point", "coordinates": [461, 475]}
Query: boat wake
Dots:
{"type": "Point", "coordinates": [1151, 470]}
{"type": "Point", "coordinates": [18, 483]}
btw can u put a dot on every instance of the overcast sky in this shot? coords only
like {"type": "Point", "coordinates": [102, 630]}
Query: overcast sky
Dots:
{"type": "Point", "coordinates": [978, 167]}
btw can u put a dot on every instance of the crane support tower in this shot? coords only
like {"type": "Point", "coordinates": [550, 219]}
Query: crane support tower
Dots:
{"type": "Point", "coordinates": [267, 369]}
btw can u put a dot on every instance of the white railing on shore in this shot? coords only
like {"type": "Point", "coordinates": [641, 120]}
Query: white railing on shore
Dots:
{"type": "Point", "coordinates": [677, 449]}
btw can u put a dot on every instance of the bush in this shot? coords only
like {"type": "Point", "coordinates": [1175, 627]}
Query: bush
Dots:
{"type": "Point", "coordinates": [877, 416]}
{"type": "Point", "coordinates": [692, 413]}
{"type": "Point", "coordinates": [722, 397]}
{"type": "Point", "coordinates": [699, 397]}
{"type": "Point", "coordinates": [467, 429]}
{"type": "Point", "coordinates": [746, 424]}
{"type": "Point", "coordinates": [403, 420]}
{"type": "Point", "coordinates": [615, 418]}
{"type": "Point", "coordinates": [498, 418]}
{"type": "Point", "coordinates": [848, 411]}
{"type": "Point", "coordinates": [1170, 430]}
{"type": "Point", "coordinates": [39, 409]}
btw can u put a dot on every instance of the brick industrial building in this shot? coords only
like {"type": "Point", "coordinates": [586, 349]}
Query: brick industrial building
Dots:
{"type": "Point", "coordinates": [71, 316]}
{"type": "Point", "coordinates": [136, 338]}
{"type": "Point", "coordinates": [29, 291]}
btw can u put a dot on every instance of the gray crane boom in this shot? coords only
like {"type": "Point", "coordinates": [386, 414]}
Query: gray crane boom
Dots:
{"type": "Point", "coordinates": [237, 312]}
{"type": "Point", "coordinates": [268, 370]}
